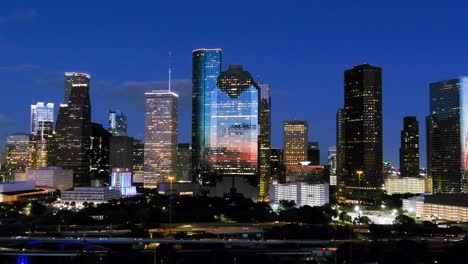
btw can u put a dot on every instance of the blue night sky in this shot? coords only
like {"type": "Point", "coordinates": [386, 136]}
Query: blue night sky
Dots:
{"type": "Point", "coordinates": [300, 47]}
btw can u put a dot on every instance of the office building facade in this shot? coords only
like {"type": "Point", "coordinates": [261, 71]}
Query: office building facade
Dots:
{"type": "Point", "coordinates": [409, 150]}
{"type": "Point", "coordinates": [183, 166]}
{"type": "Point", "coordinates": [295, 136]}
{"type": "Point", "coordinates": [161, 108]}
{"type": "Point", "coordinates": [264, 140]}
{"type": "Point", "coordinates": [313, 153]}
{"type": "Point", "coordinates": [117, 123]}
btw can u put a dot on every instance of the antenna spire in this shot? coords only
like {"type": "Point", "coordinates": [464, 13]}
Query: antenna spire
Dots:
{"type": "Point", "coordinates": [170, 69]}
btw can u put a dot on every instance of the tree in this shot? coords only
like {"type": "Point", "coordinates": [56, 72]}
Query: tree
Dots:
{"type": "Point", "coordinates": [286, 204]}
{"type": "Point", "coordinates": [344, 217]}
{"type": "Point", "coordinates": [402, 219]}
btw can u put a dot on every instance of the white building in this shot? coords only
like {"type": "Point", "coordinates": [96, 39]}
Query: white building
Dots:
{"type": "Point", "coordinates": [405, 185]}
{"type": "Point", "coordinates": [301, 193]}
{"type": "Point", "coordinates": [90, 194]}
{"type": "Point", "coordinates": [121, 180]}
{"type": "Point", "coordinates": [55, 177]}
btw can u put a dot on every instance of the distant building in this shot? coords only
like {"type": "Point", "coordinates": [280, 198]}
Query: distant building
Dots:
{"type": "Point", "coordinates": [340, 145]}
{"type": "Point", "coordinates": [138, 162]}
{"type": "Point", "coordinates": [277, 168]}
{"type": "Point", "coordinates": [183, 166]}
{"type": "Point", "coordinates": [117, 123]}
{"type": "Point", "coordinates": [405, 185]}
{"type": "Point", "coordinates": [19, 152]}
{"type": "Point", "coordinates": [90, 195]}
{"type": "Point", "coordinates": [447, 128]}
{"type": "Point", "coordinates": [160, 136]}
{"type": "Point", "coordinates": [121, 152]}
{"type": "Point", "coordinates": [409, 150]}
{"type": "Point", "coordinates": [440, 207]}
{"type": "Point", "coordinates": [332, 159]}
{"type": "Point", "coordinates": [313, 153]}
{"type": "Point", "coordinates": [363, 129]}
{"type": "Point", "coordinates": [295, 136]}
{"type": "Point", "coordinates": [99, 154]}
{"type": "Point", "coordinates": [305, 172]}
{"type": "Point", "coordinates": [121, 180]}
{"type": "Point", "coordinates": [301, 193]}
{"type": "Point", "coordinates": [264, 139]}
{"type": "Point", "coordinates": [54, 177]}
{"type": "Point", "coordinates": [41, 114]}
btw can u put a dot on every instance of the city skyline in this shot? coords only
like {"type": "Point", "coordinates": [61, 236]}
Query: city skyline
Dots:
{"type": "Point", "coordinates": [326, 90]}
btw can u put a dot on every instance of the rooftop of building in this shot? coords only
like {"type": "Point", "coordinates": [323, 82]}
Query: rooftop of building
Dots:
{"type": "Point", "coordinates": [460, 200]}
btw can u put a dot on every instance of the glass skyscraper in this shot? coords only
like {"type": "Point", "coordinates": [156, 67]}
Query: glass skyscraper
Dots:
{"type": "Point", "coordinates": [117, 123]}
{"type": "Point", "coordinates": [71, 141]}
{"type": "Point", "coordinates": [363, 128]}
{"type": "Point", "coordinates": [448, 135]}
{"type": "Point", "coordinates": [206, 69]}
{"type": "Point", "coordinates": [160, 136]}
{"type": "Point", "coordinates": [41, 113]}
{"type": "Point", "coordinates": [409, 150]}
{"type": "Point", "coordinates": [265, 140]}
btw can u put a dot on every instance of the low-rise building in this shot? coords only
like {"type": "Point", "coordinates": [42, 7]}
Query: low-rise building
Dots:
{"type": "Point", "coordinates": [121, 180]}
{"type": "Point", "coordinates": [405, 185]}
{"type": "Point", "coordinates": [54, 177]}
{"type": "Point", "coordinates": [301, 193]}
{"type": "Point", "coordinates": [90, 194]}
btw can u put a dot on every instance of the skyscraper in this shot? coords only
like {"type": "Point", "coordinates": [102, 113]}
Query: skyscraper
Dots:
{"type": "Point", "coordinates": [40, 114]}
{"type": "Point", "coordinates": [332, 159]}
{"type": "Point", "coordinates": [295, 136]}
{"type": "Point", "coordinates": [363, 127]}
{"type": "Point", "coordinates": [42, 126]}
{"type": "Point", "coordinates": [265, 139]}
{"type": "Point", "coordinates": [117, 123]}
{"type": "Point", "coordinates": [138, 161]}
{"type": "Point", "coordinates": [18, 153]}
{"type": "Point", "coordinates": [99, 154]}
{"type": "Point", "coordinates": [409, 150]}
{"type": "Point", "coordinates": [340, 144]}
{"type": "Point", "coordinates": [448, 135]}
{"type": "Point", "coordinates": [121, 152]}
{"type": "Point", "coordinates": [160, 136]}
{"type": "Point", "coordinates": [183, 167]}
{"type": "Point", "coordinates": [206, 69]}
{"type": "Point", "coordinates": [71, 141]}
{"type": "Point", "coordinates": [313, 153]}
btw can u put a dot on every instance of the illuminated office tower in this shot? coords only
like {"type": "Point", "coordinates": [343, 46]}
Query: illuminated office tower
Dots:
{"type": "Point", "coordinates": [234, 125]}
{"type": "Point", "coordinates": [71, 141]}
{"type": "Point", "coordinates": [332, 159]}
{"type": "Point", "coordinates": [409, 150]}
{"type": "Point", "coordinates": [160, 136]}
{"type": "Point", "coordinates": [42, 127]}
{"type": "Point", "coordinates": [295, 136]}
{"type": "Point", "coordinates": [448, 133]}
{"type": "Point", "coordinates": [313, 153]}
{"type": "Point", "coordinates": [340, 144]}
{"type": "Point", "coordinates": [363, 127]}
{"type": "Point", "coordinates": [117, 123]}
{"type": "Point", "coordinates": [206, 67]}
{"type": "Point", "coordinates": [265, 139]}
{"type": "Point", "coordinates": [183, 166]}
{"type": "Point", "coordinates": [41, 113]}
{"type": "Point", "coordinates": [18, 152]}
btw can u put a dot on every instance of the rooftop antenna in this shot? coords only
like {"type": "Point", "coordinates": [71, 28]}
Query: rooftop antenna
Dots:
{"type": "Point", "coordinates": [170, 69]}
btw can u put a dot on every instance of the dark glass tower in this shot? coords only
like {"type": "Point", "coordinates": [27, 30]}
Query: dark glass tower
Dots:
{"type": "Point", "coordinates": [71, 143]}
{"type": "Point", "coordinates": [183, 165]}
{"type": "Point", "coordinates": [363, 127]}
{"type": "Point", "coordinates": [121, 152]}
{"type": "Point", "coordinates": [277, 168]}
{"type": "Point", "coordinates": [313, 153]}
{"type": "Point", "coordinates": [340, 144]}
{"type": "Point", "coordinates": [265, 139]}
{"type": "Point", "coordinates": [448, 135]}
{"type": "Point", "coordinates": [99, 154]}
{"type": "Point", "coordinates": [206, 69]}
{"type": "Point", "coordinates": [409, 150]}
{"type": "Point", "coordinates": [117, 123]}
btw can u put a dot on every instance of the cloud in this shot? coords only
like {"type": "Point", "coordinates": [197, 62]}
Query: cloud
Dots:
{"type": "Point", "coordinates": [20, 68]}
{"type": "Point", "coordinates": [19, 17]}
{"type": "Point", "coordinates": [132, 94]}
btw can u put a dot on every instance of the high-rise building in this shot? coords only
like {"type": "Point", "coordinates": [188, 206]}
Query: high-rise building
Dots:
{"type": "Point", "coordinates": [99, 154]}
{"type": "Point", "coordinates": [160, 136]}
{"type": "Point", "coordinates": [277, 169]}
{"type": "Point", "coordinates": [409, 150]}
{"type": "Point", "coordinates": [71, 141]}
{"type": "Point", "coordinates": [363, 128]}
{"type": "Point", "coordinates": [121, 152]}
{"type": "Point", "coordinates": [40, 114]}
{"type": "Point", "coordinates": [206, 69]}
{"type": "Point", "coordinates": [295, 136]}
{"type": "Point", "coordinates": [264, 139]}
{"type": "Point", "coordinates": [448, 135]}
{"type": "Point", "coordinates": [340, 144]}
{"type": "Point", "coordinates": [332, 159]}
{"type": "Point", "coordinates": [313, 153]}
{"type": "Point", "coordinates": [18, 152]}
{"type": "Point", "coordinates": [117, 123]}
{"type": "Point", "coordinates": [183, 166]}
{"type": "Point", "coordinates": [138, 156]}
